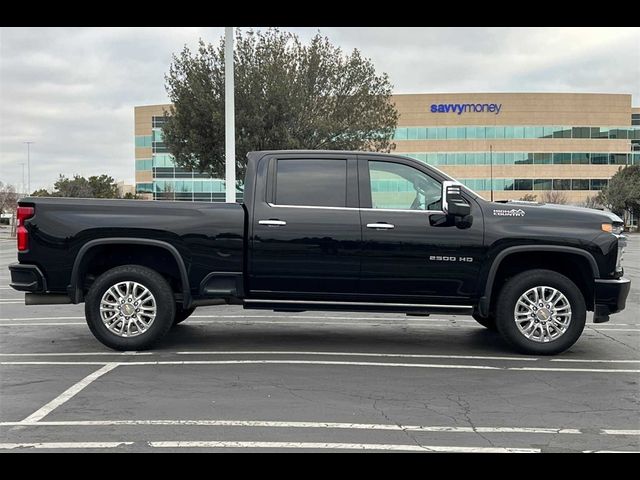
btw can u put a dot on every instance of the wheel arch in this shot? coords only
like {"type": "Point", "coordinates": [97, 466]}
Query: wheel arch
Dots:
{"type": "Point", "coordinates": [75, 288]}
{"type": "Point", "coordinates": [486, 300]}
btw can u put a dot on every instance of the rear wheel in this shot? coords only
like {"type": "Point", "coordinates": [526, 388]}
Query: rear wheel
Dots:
{"type": "Point", "coordinates": [540, 312]}
{"type": "Point", "coordinates": [130, 307]}
{"type": "Point", "coordinates": [488, 322]}
{"type": "Point", "coordinates": [182, 314]}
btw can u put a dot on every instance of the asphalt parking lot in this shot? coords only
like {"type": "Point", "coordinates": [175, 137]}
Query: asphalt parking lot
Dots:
{"type": "Point", "coordinates": [235, 380]}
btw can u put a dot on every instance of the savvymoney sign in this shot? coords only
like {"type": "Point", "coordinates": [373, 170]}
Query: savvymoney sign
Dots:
{"type": "Point", "coordinates": [461, 108]}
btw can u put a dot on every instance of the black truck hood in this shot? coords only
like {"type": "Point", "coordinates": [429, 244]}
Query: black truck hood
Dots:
{"type": "Point", "coordinates": [560, 209]}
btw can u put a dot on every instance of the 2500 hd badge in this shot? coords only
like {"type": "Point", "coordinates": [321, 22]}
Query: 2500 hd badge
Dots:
{"type": "Point", "coordinates": [440, 258]}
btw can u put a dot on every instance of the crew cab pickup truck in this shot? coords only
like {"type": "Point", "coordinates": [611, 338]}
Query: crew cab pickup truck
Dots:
{"type": "Point", "coordinates": [326, 230]}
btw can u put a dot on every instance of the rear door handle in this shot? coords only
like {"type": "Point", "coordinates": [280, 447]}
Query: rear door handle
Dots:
{"type": "Point", "coordinates": [381, 226]}
{"type": "Point", "coordinates": [272, 223]}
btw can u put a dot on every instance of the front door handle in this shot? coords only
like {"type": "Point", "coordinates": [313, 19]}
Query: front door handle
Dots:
{"type": "Point", "coordinates": [381, 226]}
{"type": "Point", "coordinates": [272, 223]}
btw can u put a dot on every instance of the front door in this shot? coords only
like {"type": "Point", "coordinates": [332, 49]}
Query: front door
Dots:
{"type": "Point", "coordinates": [411, 250]}
{"type": "Point", "coordinates": [306, 228]}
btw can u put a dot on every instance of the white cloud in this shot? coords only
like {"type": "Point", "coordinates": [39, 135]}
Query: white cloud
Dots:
{"type": "Point", "coordinates": [72, 90]}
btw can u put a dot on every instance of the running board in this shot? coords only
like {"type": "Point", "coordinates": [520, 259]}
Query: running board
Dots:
{"type": "Point", "coordinates": [302, 305]}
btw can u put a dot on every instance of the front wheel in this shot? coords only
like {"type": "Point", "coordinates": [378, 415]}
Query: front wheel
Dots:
{"type": "Point", "coordinates": [130, 307]}
{"type": "Point", "coordinates": [540, 312]}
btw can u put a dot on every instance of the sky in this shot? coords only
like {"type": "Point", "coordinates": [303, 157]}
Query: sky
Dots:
{"type": "Point", "coordinates": [71, 91]}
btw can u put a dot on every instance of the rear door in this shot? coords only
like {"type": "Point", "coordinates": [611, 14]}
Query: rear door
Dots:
{"type": "Point", "coordinates": [411, 250]}
{"type": "Point", "coordinates": [306, 228]}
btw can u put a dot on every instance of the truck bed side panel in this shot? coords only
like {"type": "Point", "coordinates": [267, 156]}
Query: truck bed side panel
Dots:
{"type": "Point", "coordinates": [208, 236]}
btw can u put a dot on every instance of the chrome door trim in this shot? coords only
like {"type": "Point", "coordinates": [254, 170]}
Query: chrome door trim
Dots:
{"type": "Point", "coordinates": [381, 226]}
{"type": "Point", "coordinates": [429, 212]}
{"type": "Point", "coordinates": [272, 223]}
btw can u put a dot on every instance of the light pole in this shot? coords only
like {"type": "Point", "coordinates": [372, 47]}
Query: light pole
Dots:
{"type": "Point", "coordinates": [28, 166]}
{"type": "Point", "coordinates": [229, 119]}
{"type": "Point", "coordinates": [22, 185]}
{"type": "Point", "coordinates": [491, 168]}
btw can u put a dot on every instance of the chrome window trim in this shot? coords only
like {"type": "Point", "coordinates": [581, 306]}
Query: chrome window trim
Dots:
{"type": "Point", "coordinates": [431, 212]}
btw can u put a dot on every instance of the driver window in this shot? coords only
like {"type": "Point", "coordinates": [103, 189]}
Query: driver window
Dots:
{"type": "Point", "coordinates": [400, 187]}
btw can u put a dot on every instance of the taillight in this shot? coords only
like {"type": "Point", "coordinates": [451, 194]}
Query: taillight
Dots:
{"type": "Point", "coordinates": [22, 234]}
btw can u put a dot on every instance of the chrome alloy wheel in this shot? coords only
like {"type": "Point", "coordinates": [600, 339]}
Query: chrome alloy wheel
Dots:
{"type": "Point", "coordinates": [128, 309]}
{"type": "Point", "coordinates": [542, 314]}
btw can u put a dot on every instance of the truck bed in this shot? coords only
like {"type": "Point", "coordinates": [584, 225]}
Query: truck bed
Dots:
{"type": "Point", "coordinates": [208, 236]}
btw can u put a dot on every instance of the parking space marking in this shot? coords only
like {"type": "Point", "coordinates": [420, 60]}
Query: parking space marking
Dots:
{"type": "Point", "coordinates": [608, 431]}
{"type": "Point", "coordinates": [360, 354]}
{"type": "Point", "coordinates": [615, 329]}
{"type": "Point", "coordinates": [308, 425]}
{"type": "Point", "coordinates": [73, 354]}
{"type": "Point", "coordinates": [63, 445]}
{"type": "Point", "coordinates": [611, 451]}
{"type": "Point", "coordinates": [332, 363]}
{"type": "Point", "coordinates": [340, 446]}
{"type": "Point", "coordinates": [586, 360]}
{"type": "Point", "coordinates": [69, 393]}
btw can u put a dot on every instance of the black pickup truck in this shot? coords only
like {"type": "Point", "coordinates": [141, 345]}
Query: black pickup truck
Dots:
{"type": "Point", "coordinates": [326, 230]}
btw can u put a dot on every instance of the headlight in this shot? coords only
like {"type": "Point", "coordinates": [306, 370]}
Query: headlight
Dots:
{"type": "Point", "coordinates": [616, 228]}
{"type": "Point", "coordinates": [622, 243]}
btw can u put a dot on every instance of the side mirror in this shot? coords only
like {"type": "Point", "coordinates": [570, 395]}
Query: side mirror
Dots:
{"type": "Point", "coordinates": [453, 203]}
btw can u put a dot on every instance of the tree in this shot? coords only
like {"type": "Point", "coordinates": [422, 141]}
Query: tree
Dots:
{"type": "Point", "coordinates": [42, 192]}
{"type": "Point", "coordinates": [591, 202]}
{"type": "Point", "coordinates": [288, 96]}
{"type": "Point", "coordinates": [554, 196]}
{"type": "Point", "coordinates": [528, 197]}
{"type": "Point", "coordinates": [103, 186]}
{"type": "Point", "coordinates": [623, 192]}
{"type": "Point", "coordinates": [8, 198]}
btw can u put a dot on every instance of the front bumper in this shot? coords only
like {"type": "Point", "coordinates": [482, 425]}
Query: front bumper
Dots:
{"type": "Point", "coordinates": [611, 294]}
{"type": "Point", "coordinates": [27, 278]}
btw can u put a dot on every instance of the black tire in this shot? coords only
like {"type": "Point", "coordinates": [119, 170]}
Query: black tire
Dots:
{"type": "Point", "coordinates": [182, 314]}
{"type": "Point", "coordinates": [516, 287]}
{"type": "Point", "coordinates": [164, 300]}
{"type": "Point", "coordinates": [488, 322]}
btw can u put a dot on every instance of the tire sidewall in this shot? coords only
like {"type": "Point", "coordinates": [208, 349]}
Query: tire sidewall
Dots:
{"type": "Point", "coordinates": [522, 282]}
{"type": "Point", "coordinates": [150, 279]}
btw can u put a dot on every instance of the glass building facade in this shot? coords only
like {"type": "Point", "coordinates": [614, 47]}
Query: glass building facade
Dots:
{"type": "Point", "coordinates": [533, 143]}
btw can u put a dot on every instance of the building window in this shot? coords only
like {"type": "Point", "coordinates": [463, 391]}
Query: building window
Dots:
{"type": "Point", "coordinates": [143, 141]}
{"type": "Point", "coordinates": [579, 184]}
{"type": "Point", "coordinates": [542, 184]}
{"type": "Point", "coordinates": [561, 184]}
{"type": "Point", "coordinates": [598, 184]}
{"type": "Point", "coordinates": [523, 184]}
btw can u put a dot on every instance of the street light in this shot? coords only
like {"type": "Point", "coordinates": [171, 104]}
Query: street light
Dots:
{"type": "Point", "coordinates": [491, 168]}
{"type": "Point", "coordinates": [229, 117]}
{"type": "Point", "coordinates": [28, 166]}
{"type": "Point", "coordinates": [22, 185]}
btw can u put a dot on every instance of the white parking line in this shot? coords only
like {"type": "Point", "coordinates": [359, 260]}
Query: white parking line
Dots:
{"type": "Point", "coordinates": [611, 451]}
{"type": "Point", "coordinates": [359, 354]}
{"type": "Point", "coordinates": [63, 445]}
{"type": "Point", "coordinates": [30, 324]}
{"type": "Point", "coordinates": [620, 432]}
{"type": "Point", "coordinates": [579, 360]}
{"type": "Point", "coordinates": [340, 446]}
{"type": "Point", "coordinates": [69, 393]}
{"type": "Point", "coordinates": [73, 354]}
{"type": "Point", "coordinates": [615, 329]}
{"type": "Point", "coordinates": [331, 363]}
{"type": "Point", "coordinates": [310, 425]}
